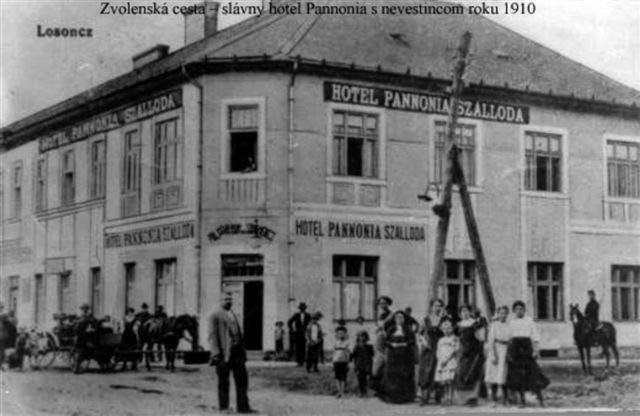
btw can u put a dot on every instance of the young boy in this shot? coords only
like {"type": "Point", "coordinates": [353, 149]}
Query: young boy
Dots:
{"type": "Point", "coordinates": [314, 343]}
{"type": "Point", "coordinates": [278, 334]}
{"type": "Point", "coordinates": [363, 361]}
{"type": "Point", "coordinates": [341, 359]}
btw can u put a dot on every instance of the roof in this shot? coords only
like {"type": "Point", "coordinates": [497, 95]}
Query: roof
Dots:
{"type": "Point", "coordinates": [422, 45]}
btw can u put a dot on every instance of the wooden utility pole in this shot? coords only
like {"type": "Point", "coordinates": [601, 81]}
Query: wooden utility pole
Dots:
{"type": "Point", "coordinates": [443, 208]}
{"type": "Point", "coordinates": [454, 174]}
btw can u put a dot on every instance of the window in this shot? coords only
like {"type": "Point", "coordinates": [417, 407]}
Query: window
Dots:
{"type": "Point", "coordinates": [545, 283]}
{"type": "Point", "coordinates": [14, 292]}
{"type": "Point", "coordinates": [131, 174]}
{"type": "Point", "coordinates": [354, 285]}
{"type": "Point", "coordinates": [165, 284]}
{"type": "Point", "coordinates": [41, 184]}
{"type": "Point", "coordinates": [130, 284]}
{"type": "Point", "coordinates": [40, 299]}
{"type": "Point", "coordinates": [625, 293]}
{"type": "Point", "coordinates": [68, 178]}
{"type": "Point", "coordinates": [459, 284]}
{"type": "Point", "coordinates": [243, 126]}
{"type": "Point", "coordinates": [465, 137]}
{"type": "Point", "coordinates": [543, 161]}
{"type": "Point", "coordinates": [242, 265]}
{"type": "Point", "coordinates": [16, 184]}
{"type": "Point", "coordinates": [623, 169]}
{"type": "Point", "coordinates": [355, 144]}
{"type": "Point", "coordinates": [98, 171]}
{"type": "Point", "coordinates": [96, 291]}
{"type": "Point", "coordinates": [65, 294]}
{"type": "Point", "coordinates": [167, 159]}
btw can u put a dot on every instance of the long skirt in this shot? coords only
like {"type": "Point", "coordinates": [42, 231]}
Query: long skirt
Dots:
{"type": "Point", "coordinates": [399, 375]}
{"type": "Point", "coordinates": [523, 372]}
{"type": "Point", "coordinates": [497, 373]}
{"type": "Point", "coordinates": [427, 368]}
{"type": "Point", "coordinates": [470, 369]}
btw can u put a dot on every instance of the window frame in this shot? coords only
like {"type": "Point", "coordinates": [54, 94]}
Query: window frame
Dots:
{"type": "Point", "coordinates": [564, 160]}
{"type": "Point", "coordinates": [130, 275]}
{"type": "Point", "coordinates": [97, 291]}
{"type": "Point", "coordinates": [626, 202]}
{"type": "Point", "coordinates": [461, 263]}
{"type": "Point", "coordinates": [361, 280]}
{"type": "Point", "coordinates": [64, 202]}
{"type": "Point", "coordinates": [478, 150]}
{"type": "Point", "coordinates": [124, 192]}
{"type": "Point", "coordinates": [99, 191]}
{"type": "Point", "coordinates": [616, 316]}
{"type": "Point", "coordinates": [380, 113]}
{"type": "Point", "coordinates": [17, 186]}
{"type": "Point", "coordinates": [532, 287]}
{"type": "Point", "coordinates": [225, 134]}
{"type": "Point", "coordinates": [173, 285]}
{"type": "Point", "coordinates": [40, 184]}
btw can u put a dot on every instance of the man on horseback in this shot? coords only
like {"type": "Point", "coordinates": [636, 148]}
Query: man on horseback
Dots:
{"type": "Point", "coordinates": [591, 311]}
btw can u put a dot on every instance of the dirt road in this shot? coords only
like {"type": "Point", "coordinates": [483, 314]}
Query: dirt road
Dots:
{"type": "Point", "coordinates": [276, 389]}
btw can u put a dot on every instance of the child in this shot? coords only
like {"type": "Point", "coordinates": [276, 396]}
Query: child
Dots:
{"type": "Point", "coordinates": [363, 361]}
{"type": "Point", "coordinates": [278, 334]}
{"type": "Point", "coordinates": [314, 342]}
{"type": "Point", "coordinates": [341, 359]}
{"type": "Point", "coordinates": [446, 355]}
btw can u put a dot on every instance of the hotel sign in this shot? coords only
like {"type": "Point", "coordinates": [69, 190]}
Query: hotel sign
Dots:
{"type": "Point", "coordinates": [112, 120]}
{"type": "Point", "coordinates": [359, 230]}
{"type": "Point", "coordinates": [150, 235]}
{"type": "Point", "coordinates": [423, 102]}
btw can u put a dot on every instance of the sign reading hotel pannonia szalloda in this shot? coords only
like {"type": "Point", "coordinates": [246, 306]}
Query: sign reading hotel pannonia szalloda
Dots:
{"type": "Point", "coordinates": [422, 102]}
{"type": "Point", "coordinates": [112, 120]}
{"type": "Point", "coordinates": [359, 230]}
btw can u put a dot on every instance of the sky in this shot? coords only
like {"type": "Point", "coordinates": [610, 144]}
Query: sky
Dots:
{"type": "Point", "coordinates": [38, 72]}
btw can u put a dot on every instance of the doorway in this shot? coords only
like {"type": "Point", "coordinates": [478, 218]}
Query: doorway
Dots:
{"type": "Point", "coordinates": [253, 299]}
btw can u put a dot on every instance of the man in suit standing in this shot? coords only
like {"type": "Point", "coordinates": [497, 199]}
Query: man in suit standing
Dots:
{"type": "Point", "coordinates": [228, 355]}
{"type": "Point", "coordinates": [298, 329]}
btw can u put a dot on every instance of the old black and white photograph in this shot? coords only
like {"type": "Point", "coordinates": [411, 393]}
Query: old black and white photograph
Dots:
{"type": "Point", "coordinates": [319, 207]}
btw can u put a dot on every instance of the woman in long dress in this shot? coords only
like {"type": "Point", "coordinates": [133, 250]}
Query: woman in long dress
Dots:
{"type": "Point", "coordinates": [523, 372]}
{"type": "Point", "coordinates": [471, 361]}
{"type": "Point", "coordinates": [399, 378]}
{"type": "Point", "coordinates": [429, 335]}
{"type": "Point", "coordinates": [496, 365]}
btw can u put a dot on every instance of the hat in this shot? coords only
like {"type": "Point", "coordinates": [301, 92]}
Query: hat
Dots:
{"type": "Point", "coordinates": [385, 298]}
{"type": "Point", "coordinates": [302, 305]}
{"type": "Point", "coordinates": [85, 306]}
{"type": "Point", "coordinates": [144, 306]}
{"type": "Point", "coordinates": [317, 315]}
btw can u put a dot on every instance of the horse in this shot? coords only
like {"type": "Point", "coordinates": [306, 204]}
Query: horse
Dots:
{"type": "Point", "coordinates": [585, 337]}
{"type": "Point", "coordinates": [168, 333]}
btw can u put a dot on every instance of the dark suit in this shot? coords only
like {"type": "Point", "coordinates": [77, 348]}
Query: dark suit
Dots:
{"type": "Point", "coordinates": [228, 354]}
{"type": "Point", "coordinates": [591, 312]}
{"type": "Point", "coordinates": [298, 329]}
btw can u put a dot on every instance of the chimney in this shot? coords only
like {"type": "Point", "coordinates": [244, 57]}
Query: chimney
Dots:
{"type": "Point", "coordinates": [150, 55]}
{"type": "Point", "coordinates": [199, 26]}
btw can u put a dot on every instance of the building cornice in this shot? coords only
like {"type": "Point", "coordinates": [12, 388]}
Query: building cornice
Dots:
{"type": "Point", "coordinates": [81, 107]}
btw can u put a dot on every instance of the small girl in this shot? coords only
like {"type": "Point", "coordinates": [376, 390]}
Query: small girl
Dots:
{"type": "Point", "coordinates": [278, 334]}
{"type": "Point", "coordinates": [363, 361]}
{"type": "Point", "coordinates": [446, 355]}
{"type": "Point", "coordinates": [341, 359]}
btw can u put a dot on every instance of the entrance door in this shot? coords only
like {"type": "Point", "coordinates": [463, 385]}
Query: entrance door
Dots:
{"type": "Point", "coordinates": [253, 295]}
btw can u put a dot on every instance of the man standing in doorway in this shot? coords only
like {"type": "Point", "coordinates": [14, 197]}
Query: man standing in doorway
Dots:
{"type": "Point", "coordinates": [298, 329]}
{"type": "Point", "coordinates": [228, 355]}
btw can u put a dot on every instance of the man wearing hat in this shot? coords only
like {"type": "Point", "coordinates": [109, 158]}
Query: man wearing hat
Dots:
{"type": "Point", "coordinates": [86, 330]}
{"type": "Point", "coordinates": [298, 329]}
{"type": "Point", "coordinates": [385, 318]}
{"type": "Point", "coordinates": [228, 355]}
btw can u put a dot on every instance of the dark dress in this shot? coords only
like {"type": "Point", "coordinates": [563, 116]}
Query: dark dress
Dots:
{"type": "Point", "coordinates": [399, 371]}
{"type": "Point", "coordinates": [427, 369]}
{"type": "Point", "coordinates": [471, 361]}
{"type": "Point", "coordinates": [523, 372]}
{"type": "Point", "coordinates": [129, 344]}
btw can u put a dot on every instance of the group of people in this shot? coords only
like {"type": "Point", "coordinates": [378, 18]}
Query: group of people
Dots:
{"type": "Point", "coordinates": [459, 352]}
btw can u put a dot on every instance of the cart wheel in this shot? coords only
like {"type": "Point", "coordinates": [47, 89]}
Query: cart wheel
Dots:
{"type": "Point", "coordinates": [44, 353]}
